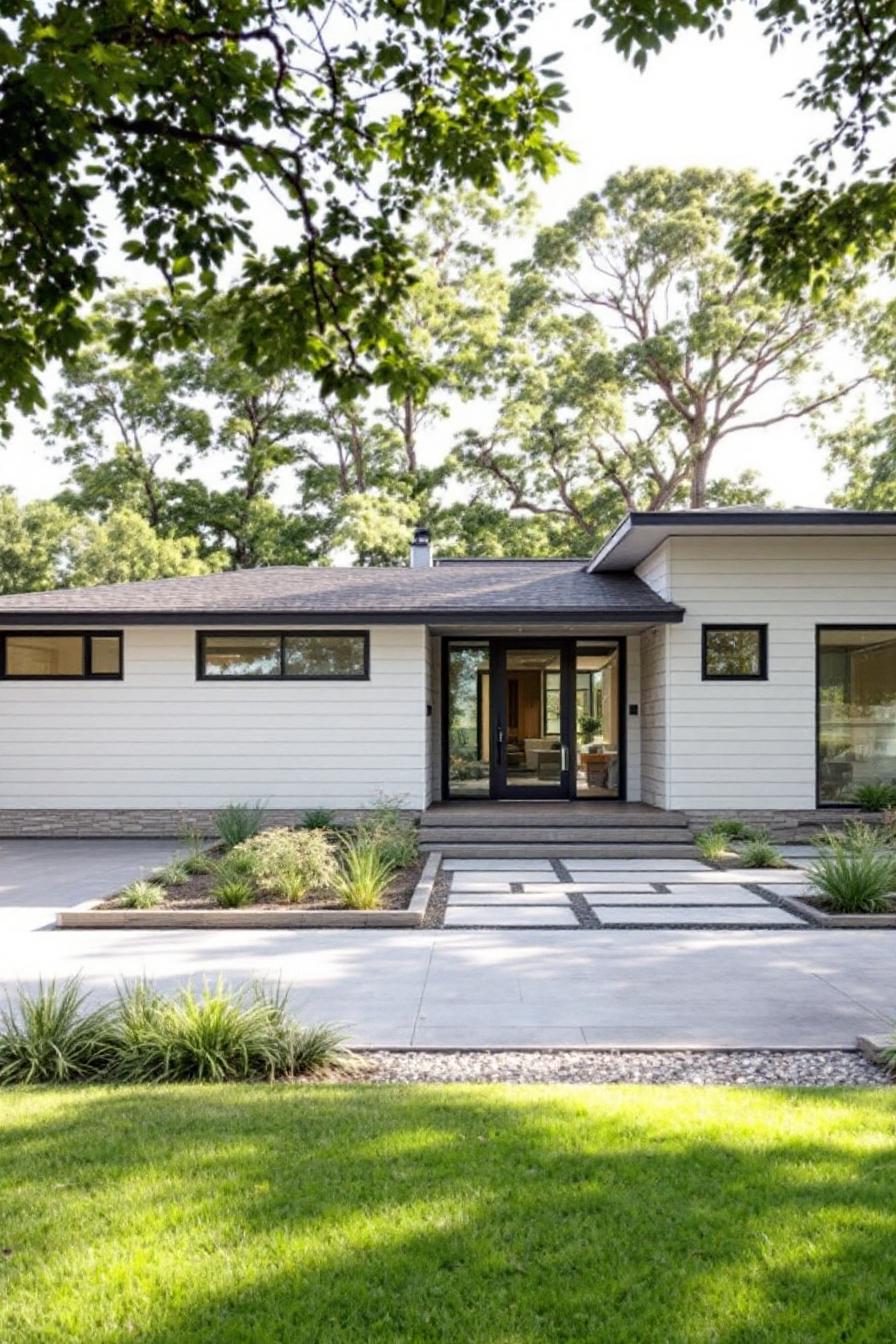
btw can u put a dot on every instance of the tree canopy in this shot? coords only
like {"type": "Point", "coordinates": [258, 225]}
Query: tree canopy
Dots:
{"type": "Point", "coordinates": [341, 116]}
{"type": "Point", "coordinates": [839, 201]}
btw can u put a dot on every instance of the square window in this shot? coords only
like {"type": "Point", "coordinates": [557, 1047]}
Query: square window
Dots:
{"type": "Point", "coordinates": [735, 652]}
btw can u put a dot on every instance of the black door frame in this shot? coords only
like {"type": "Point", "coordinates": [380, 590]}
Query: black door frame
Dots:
{"type": "Point", "coordinates": [499, 786]}
{"type": "Point", "coordinates": [498, 646]}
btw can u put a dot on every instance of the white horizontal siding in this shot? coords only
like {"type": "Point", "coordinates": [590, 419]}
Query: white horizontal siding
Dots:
{"type": "Point", "coordinates": [752, 744]}
{"type": "Point", "coordinates": [160, 738]}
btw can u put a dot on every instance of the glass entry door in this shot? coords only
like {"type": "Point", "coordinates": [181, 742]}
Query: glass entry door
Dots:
{"type": "Point", "coordinates": [531, 719]}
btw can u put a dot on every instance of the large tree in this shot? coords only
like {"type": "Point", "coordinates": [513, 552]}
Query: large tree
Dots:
{"type": "Point", "coordinates": [839, 202]}
{"type": "Point", "coordinates": [195, 121]}
{"type": "Point", "coordinates": [638, 344]}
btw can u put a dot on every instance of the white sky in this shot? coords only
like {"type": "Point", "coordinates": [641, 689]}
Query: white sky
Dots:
{"type": "Point", "coordinates": [698, 103]}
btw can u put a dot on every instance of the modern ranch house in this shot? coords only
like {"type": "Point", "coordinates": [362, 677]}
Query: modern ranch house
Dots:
{"type": "Point", "coordinates": [723, 660]}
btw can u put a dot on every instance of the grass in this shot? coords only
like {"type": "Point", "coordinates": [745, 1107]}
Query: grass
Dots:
{"type": "Point", "coordinates": [875, 797]}
{"type": "Point", "coordinates": [141, 895]}
{"type": "Point", "coordinates": [761, 853]}
{"type": "Point", "coordinates": [855, 881]}
{"type": "Point", "coordinates": [365, 873]}
{"type": "Point", "coordinates": [437, 1215]}
{"type": "Point", "coordinates": [238, 822]}
{"type": "Point", "coordinates": [714, 847]}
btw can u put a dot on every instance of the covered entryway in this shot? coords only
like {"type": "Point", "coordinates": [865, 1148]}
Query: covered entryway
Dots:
{"type": "Point", "coordinates": [533, 718]}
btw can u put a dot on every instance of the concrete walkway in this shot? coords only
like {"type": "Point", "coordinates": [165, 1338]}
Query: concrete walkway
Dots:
{"type": "Point", "coordinates": [799, 988]}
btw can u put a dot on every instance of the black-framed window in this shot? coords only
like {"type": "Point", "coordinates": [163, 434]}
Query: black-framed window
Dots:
{"type": "Point", "coordinates": [61, 655]}
{"type": "Point", "coordinates": [735, 653]}
{"type": "Point", "coordinates": [856, 710]}
{"type": "Point", "coordinates": [283, 655]}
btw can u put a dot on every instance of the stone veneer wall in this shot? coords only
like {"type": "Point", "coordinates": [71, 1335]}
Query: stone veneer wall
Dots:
{"type": "Point", "coordinates": [152, 823]}
{"type": "Point", "coordinates": [782, 825]}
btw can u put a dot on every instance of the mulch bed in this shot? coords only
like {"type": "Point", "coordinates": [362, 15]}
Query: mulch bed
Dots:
{"type": "Point", "coordinates": [195, 894]}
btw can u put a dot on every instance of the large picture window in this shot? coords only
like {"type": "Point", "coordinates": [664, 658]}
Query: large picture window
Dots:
{"type": "Point", "coordinates": [280, 655]}
{"type": "Point", "coordinates": [856, 710]}
{"type": "Point", "coordinates": [43, 655]}
{"type": "Point", "coordinates": [735, 652]}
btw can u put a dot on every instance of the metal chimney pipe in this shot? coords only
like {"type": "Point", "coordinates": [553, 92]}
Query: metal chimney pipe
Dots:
{"type": "Point", "coordinates": [421, 549]}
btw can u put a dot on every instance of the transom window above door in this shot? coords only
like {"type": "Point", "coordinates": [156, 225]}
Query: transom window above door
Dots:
{"type": "Point", "coordinates": [284, 655]}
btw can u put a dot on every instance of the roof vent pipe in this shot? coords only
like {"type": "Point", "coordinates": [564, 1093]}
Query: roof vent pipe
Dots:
{"type": "Point", "coordinates": [421, 550]}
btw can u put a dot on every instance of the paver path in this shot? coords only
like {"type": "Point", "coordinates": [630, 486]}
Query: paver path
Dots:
{"type": "Point", "coordinates": [616, 893]}
{"type": "Point", "coordinates": [442, 988]}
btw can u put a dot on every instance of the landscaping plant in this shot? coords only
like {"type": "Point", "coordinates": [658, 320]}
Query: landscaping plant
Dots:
{"type": "Point", "coordinates": [238, 822]}
{"type": "Point", "coordinates": [875, 797]}
{"type": "Point", "coordinates": [364, 874]}
{"type": "Point", "coordinates": [232, 892]}
{"type": "Point", "coordinates": [174, 874]}
{"type": "Point", "coordinates": [141, 895]}
{"type": "Point", "coordinates": [216, 1034]}
{"type": "Point", "coordinates": [387, 831]}
{"type": "Point", "coordinates": [857, 881]}
{"type": "Point", "coordinates": [733, 829]}
{"type": "Point", "coordinates": [288, 863]}
{"type": "Point", "coordinates": [855, 835]}
{"type": "Point", "coordinates": [49, 1037]}
{"type": "Point", "coordinates": [318, 819]}
{"type": "Point", "coordinates": [761, 853]}
{"type": "Point", "coordinates": [714, 846]}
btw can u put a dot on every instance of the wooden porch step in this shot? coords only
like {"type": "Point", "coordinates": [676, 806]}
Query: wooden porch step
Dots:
{"type": "Point", "coordinates": [535, 849]}
{"type": "Point", "coordinates": [561, 835]}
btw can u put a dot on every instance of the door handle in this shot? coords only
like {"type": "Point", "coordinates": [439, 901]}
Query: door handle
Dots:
{"type": "Point", "coordinates": [564, 759]}
{"type": "Point", "coordinates": [499, 742]}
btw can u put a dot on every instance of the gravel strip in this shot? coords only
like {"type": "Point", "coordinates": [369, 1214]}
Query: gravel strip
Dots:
{"type": "Point", "coordinates": [744, 1068]}
{"type": "Point", "coordinates": [434, 917]}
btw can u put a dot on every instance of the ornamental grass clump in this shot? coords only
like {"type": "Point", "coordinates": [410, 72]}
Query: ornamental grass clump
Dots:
{"type": "Point", "coordinates": [876, 797]}
{"type": "Point", "coordinates": [365, 873]}
{"type": "Point", "coordinates": [318, 819]}
{"type": "Point", "coordinates": [238, 822]}
{"type": "Point", "coordinates": [388, 832]}
{"type": "Point", "coordinates": [141, 895]}
{"type": "Point", "coordinates": [174, 874]}
{"type": "Point", "coordinates": [216, 1034]}
{"type": "Point", "coordinates": [287, 864]}
{"type": "Point", "coordinates": [714, 847]}
{"type": "Point", "coordinates": [856, 881]}
{"type": "Point", "coordinates": [761, 853]}
{"type": "Point", "coordinates": [49, 1036]}
{"type": "Point", "coordinates": [235, 881]}
{"type": "Point", "coordinates": [732, 829]}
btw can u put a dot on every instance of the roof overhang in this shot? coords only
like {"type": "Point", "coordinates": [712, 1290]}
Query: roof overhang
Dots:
{"type": "Point", "coordinates": [669, 613]}
{"type": "Point", "coordinates": [639, 534]}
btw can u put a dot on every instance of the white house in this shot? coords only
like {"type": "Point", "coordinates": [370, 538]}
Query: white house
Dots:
{"type": "Point", "coordinates": [732, 659]}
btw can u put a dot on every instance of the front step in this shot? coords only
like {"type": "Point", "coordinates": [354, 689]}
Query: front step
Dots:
{"type": "Point", "coordinates": [435, 836]}
{"type": "Point", "coordinates": [566, 849]}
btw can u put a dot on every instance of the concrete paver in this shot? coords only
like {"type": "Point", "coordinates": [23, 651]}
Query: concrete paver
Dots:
{"type": "Point", "coordinates": [696, 895]}
{"type": "Point", "coordinates": [675, 915]}
{"type": "Point", "coordinates": [509, 917]}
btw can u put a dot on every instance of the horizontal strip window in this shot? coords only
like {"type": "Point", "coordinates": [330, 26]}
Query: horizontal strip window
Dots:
{"type": "Point", "coordinates": [735, 653]}
{"type": "Point", "coordinates": [280, 655]}
{"type": "Point", "coordinates": [44, 655]}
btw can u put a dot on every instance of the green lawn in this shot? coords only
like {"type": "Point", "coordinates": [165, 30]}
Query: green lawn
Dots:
{"type": "Point", "coordinates": [465, 1214]}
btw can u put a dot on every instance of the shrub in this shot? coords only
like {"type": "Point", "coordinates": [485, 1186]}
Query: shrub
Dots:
{"type": "Point", "coordinates": [238, 822]}
{"type": "Point", "coordinates": [761, 853]}
{"type": "Point", "coordinates": [387, 831]}
{"type": "Point", "coordinates": [854, 881]}
{"type": "Point", "coordinates": [364, 875]}
{"type": "Point", "coordinates": [174, 874]}
{"type": "Point", "coordinates": [47, 1037]}
{"type": "Point", "coordinates": [875, 797]}
{"type": "Point", "coordinates": [198, 863]}
{"type": "Point", "coordinates": [713, 846]}
{"type": "Point", "coordinates": [216, 1035]}
{"type": "Point", "coordinates": [733, 829]}
{"type": "Point", "coordinates": [232, 892]}
{"type": "Point", "coordinates": [318, 819]}
{"type": "Point", "coordinates": [289, 863]}
{"type": "Point", "coordinates": [141, 895]}
{"type": "Point", "coordinates": [192, 837]}
{"type": "Point", "coordinates": [855, 835]}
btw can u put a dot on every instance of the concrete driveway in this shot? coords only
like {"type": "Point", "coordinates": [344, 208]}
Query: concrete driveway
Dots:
{"type": "Point", "coordinates": [39, 877]}
{"type": "Point", "coordinates": [444, 988]}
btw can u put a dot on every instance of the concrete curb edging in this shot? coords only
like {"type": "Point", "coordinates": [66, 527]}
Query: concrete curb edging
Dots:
{"type": "Point", "coordinates": [825, 921]}
{"type": "Point", "coordinates": [875, 1048]}
{"type": "Point", "coordinates": [87, 916]}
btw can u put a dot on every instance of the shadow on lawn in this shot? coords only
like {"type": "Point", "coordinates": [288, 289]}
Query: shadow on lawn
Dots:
{"type": "Point", "coordinates": [495, 1217]}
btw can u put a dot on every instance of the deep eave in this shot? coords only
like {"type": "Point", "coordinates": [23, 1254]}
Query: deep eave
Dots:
{"type": "Point", "coordinates": [640, 533]}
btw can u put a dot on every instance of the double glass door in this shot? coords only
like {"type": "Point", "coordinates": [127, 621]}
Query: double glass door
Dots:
{"type": "Point", "coordinates": [533, 718]}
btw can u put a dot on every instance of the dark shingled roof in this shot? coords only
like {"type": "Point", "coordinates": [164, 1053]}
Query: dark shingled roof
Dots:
{"type": "Point", "coordinates": [499, 590]}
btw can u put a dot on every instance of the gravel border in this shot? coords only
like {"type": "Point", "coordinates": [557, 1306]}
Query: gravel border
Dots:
{"type": "Point", "coordinates": [730, 1068]}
